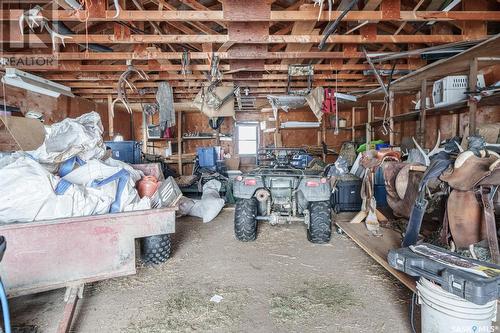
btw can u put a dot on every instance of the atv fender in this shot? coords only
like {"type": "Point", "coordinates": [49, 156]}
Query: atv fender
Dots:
{"type": "Point", "coordinates": [243, 191]}
{"type": "Point", "coordinates": [321, 192]}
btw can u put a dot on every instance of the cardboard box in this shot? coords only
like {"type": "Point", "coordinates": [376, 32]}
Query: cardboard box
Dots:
{"type": "Point", "coordinates": [19, 133]}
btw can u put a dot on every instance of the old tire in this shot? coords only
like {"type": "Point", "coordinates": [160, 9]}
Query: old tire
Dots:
{"type": "Point", "coordinates": [320, 225]}
{"type": "Point", "coordinates": [156, 249]}
{"type": "Point", "coordinates": [245, 224]}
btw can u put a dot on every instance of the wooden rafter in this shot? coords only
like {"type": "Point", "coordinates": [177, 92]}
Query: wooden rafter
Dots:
{"type": "Point", "coordinates": [276, 16]}
{"type": "Point", "coordinates": [272, 39]}
{"type": "Point", "coordinates": [255, 46]}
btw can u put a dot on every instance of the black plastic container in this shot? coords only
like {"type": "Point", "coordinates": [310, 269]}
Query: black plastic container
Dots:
{"type": "Point", "coordinates": [346, 196]}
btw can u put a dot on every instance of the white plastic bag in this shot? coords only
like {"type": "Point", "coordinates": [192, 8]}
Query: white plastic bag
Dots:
{"type": "Point", "coordinates": [96, 170]}
{"type": "Point", "coordinates": [80, 137]}
{"type": "Point", "coordinates": [210, 204]}
{"type": "Point", "coordinates": [29, 191]}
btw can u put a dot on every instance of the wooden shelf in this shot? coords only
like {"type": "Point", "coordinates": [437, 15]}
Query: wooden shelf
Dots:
{"type": "Point", "coordinates": [454, 108]}
{"type": "Point", "coordinates": [456, 65]}
{"type": "Point", "coordinates": [222, 138]}
{"type": "Point", "coordinates": [295, 128]}
{"type": "Point", "coordinates": [162, 139]}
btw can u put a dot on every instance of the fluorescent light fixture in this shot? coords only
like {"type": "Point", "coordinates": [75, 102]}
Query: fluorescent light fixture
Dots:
{"type": "Point", "coordinates": [300, 124]}
{"type": "Point", "coordinates": [15, 77]}
{"type": "Point", "coordinates": [346, 97]}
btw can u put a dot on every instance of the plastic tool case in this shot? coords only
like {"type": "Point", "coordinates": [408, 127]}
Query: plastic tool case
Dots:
{"type": "Point", "coordinates": [472, 280]}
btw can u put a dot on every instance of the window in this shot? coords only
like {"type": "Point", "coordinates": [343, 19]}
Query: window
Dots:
{"type": "Point", "coordinates": [247, 139]}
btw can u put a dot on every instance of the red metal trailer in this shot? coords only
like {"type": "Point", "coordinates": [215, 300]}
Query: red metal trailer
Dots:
{"type": "Point", "coordinates": [47, 255]}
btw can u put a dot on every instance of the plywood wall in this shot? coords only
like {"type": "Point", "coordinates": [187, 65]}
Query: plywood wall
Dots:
{"type": "Point", "coordinates": [57, 109]}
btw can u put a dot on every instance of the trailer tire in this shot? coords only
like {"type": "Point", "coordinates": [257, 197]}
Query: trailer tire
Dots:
{"type": "Point", "coordinates": [320, 224]}
{"type": "Point", "coordinates": [245, 223]}
{"type": "Point", "coordinates": [156, 249]}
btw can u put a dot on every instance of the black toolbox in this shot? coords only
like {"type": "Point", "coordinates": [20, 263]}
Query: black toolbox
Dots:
{"type": "Point", "coordinates": [473, 280]}
{"type": "Point", "coordinates": [346, 195]}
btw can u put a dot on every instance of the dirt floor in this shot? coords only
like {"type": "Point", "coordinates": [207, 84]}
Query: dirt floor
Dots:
{"type": "Point", "coordinates": [279, 283]}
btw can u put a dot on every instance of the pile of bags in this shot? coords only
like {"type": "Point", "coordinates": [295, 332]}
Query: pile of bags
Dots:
{"type": "Point", "coordinates": [69, 175]}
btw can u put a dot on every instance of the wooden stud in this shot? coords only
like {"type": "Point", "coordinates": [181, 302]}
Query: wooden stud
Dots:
{"type": "Point", "coordinates": [110, 118]}
{"type": "Point", "coordinates": [472, 87]}
{"type": "Point", "coordinates": [423, 108]}
{"type": "Point", "coordinates": [323, 134]}
{"type": "Point", "coordinates": [391, 115]}
{"type": "Point", "coordinates": [368, 126]}
{"type": "Point", "coordinates": [179, 143]}
{"type": "Point", "coordinates": [353, 123]}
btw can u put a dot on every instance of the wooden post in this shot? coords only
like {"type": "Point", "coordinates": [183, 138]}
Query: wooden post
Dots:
{"type": "Point", "coordinates": [423, 107]}
{"type": "Point", "coordinates": [217, 136]}
{"type": "Point", "coordinates": [368, 126]}
{"type": "Point", "coordinates": [111, 131]}
{"type": "Point", "coordinates": [179, 142]}
{"type": "Point", "coordinates": [472, 87]}
{"type": "Point", "coordinates": [353, 122]}
{"type": "Point", "coordinates": [319, 134]}
{"type": "Point", "coordinates": [391, 120]}
{"type": "Point", "coordinates": [323, 135]}
{"type": "Point", "coordinates": [277, 133]}
{"type": "Point", "coordinates": [144, 133]}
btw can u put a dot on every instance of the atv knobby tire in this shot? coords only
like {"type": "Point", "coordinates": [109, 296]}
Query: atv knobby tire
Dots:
{"type": "Point", "coordinates": [156, 249]}
{"type": "Point", "coordinates": [245, 224]}
{"type": "Point", "coordinates": [320, 224]}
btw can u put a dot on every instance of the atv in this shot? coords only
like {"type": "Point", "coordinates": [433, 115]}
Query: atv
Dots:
{"type": "Point", "coordinates": [281, 193]}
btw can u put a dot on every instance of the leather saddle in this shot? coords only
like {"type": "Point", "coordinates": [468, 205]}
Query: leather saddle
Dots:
{"type": "Point", "coordinates": [374, 158]}
{"type": "Point", "coordinates": [468, 170]}
{"type": "Point", "coordinates": [469, 210]}
{"type": "Point", "coordinates": [402, 187]}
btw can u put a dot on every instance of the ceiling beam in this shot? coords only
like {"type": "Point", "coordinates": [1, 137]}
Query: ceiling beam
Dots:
{"type": "Point", "coordinates": [256, 84]}
{"type": "Point", "coordinates": [166, 68]}
{"type": "Point", "coordinates": [275, 16]}
{"type": "Point", "coordinates": [272, 39]}
{"type": "Point", "coordinates": [156, 55]}
{"type": "Point", "coordinates": [92, 77]}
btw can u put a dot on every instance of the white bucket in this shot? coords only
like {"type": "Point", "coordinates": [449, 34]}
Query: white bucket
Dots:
{"type": "Point", "coordinates": [443, 312]}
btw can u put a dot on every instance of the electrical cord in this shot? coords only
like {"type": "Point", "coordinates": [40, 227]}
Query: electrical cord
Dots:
{"type": "Point", "coordinates": [331, 27]}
